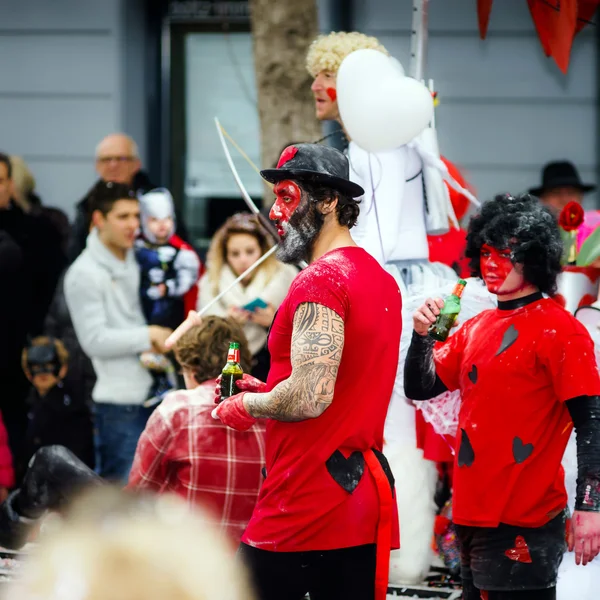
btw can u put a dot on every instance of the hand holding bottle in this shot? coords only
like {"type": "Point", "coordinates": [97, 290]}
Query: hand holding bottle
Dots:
{"type": "Point", "coordinates": [232, 412]}
{"type": "Point", "coordinates": [426, 315]}
{"type": "Point", "coordinates": [247, 384]}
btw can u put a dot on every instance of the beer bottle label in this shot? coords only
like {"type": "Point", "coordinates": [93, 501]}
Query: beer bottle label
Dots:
{"type": "Point", "coordinates": [233, 355]}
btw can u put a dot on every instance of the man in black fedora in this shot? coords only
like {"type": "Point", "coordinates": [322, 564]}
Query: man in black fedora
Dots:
{"type": "Point", "coordinates": [561, 184]}
{"type": "Point", "coordinates": [326, 517]}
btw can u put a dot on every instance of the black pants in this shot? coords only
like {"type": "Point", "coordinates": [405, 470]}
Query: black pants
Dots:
{"type": "Point", "coordinates": [346, 574]}
{"type": "Point", "coordinates": [510, 562]}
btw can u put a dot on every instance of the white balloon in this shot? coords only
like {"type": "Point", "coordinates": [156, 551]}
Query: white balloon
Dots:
{"type": "Point", "coordinates": [398, 65]}
{"type": "Point", "coordinates": [380, 107]}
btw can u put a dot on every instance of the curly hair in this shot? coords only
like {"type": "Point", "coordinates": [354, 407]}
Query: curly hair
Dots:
{"type": "Point", "coordinates": [217, 252]}
{"type": "Point", "coordinates": [347, 209]}
{"type": "Point", "coordinates": [524, 226]}
{"type": "Point", "coordinates": [327, 52]}
{"type": "Point", "coordinates": [203, 349]}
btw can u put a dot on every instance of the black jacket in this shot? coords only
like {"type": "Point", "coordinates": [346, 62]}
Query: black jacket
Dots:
{"type": "Point", "coordinates": [33, 282]}
{"type": "Point", "coordinates": [80, 378]}
{"type": "Point", "coordinates": [58, 418]}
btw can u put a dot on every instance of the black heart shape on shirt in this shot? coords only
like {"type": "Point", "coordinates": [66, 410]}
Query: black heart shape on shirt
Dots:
{"type": "Point", "coordinates": [347, 472]}
{"type": "Point", "coordinates": [508, 339]}
{"type": "Point", "coordinates": [466, 454]}
{"type": "Point", "coordinates": [521, 451]}
{"type": "Point", "coordinates": [473, 374]}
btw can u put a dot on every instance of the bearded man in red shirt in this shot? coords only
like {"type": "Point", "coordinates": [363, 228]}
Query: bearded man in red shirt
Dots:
{"type": "Point", "coordinates": [527, 374]}
{"type": "Point", "coordinates": [326, 518]}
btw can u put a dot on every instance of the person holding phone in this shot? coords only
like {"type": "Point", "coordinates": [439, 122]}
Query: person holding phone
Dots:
{"type": "Point", "coordinates": [237, 245]}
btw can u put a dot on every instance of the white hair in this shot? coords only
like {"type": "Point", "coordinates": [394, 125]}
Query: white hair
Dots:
{"type": "Point", "coordinates": [134, 147]}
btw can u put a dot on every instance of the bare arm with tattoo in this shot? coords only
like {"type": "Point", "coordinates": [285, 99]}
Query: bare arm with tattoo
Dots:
{"type": "Point", "coordinates": [317, 344]}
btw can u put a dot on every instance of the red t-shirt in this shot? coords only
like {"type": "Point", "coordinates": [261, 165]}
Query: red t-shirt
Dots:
{"type": "Point", "coordinates": [515, 369]}
{"type": "Point", "coordinates": [300, 506]}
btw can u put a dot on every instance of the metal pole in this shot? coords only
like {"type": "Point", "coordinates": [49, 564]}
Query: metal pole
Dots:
{"type": "Point", "coordinates": [418, 39]}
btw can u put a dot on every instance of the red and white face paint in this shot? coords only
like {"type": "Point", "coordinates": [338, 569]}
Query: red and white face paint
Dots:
{"type": "Point", "coordinates": [499, 273]}
{"type": "Point", "coordinates": [287, 199]}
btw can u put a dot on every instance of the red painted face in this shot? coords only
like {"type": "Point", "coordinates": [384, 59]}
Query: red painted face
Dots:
{"type": "Point", "coordinates": [498, 272]}
{"type": "Point", "coordinates": [287, 199]}
{"type": "Point", "coordinates": [332, 93]}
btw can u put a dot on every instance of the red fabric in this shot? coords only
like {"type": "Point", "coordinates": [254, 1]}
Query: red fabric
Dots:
{"type": "Point", "coordinates": [512, 399]}
{"type": "Point", "coordinates": [183, 450]}
{"type": "Point", "coordinates": [190, 298]}
{"type": "Point", "coordinates": [385, 525]}
{"type": "Point", "coordinates": [300, 506]}
{"type": "Point", "coordinates": [7, 473]}
{"type": "Point", "coordinates": [556, 21]}
{"type": "Point", "coordinates": [556, 28]}
{"type": "Point", "coordinates": [449, 249]}
{"type": "Point", "coordinates": [585, 12]}
{"type": "Point", "coordinates": [484, 7]}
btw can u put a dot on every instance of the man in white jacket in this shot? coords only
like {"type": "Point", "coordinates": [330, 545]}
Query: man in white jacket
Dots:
{"type": "Point", "coordinates": [102, 293]}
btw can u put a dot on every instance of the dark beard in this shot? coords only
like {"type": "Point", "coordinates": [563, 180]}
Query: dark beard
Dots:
{"type": "Point", "coordinates": [302, 230]}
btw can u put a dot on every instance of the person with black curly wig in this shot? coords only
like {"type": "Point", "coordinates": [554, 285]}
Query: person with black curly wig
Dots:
{"type": "Point", "coordinates": [527, 374]}
{"type": "Point", "coordinates": [529, 230]}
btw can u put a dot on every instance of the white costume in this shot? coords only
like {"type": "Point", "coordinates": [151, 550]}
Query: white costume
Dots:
{"type": "Point", "coordinates": [392, 227]}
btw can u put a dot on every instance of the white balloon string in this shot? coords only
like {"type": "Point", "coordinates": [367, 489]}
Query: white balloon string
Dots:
{"type": "Point", "coordinates": [374, 205]}
{"type": "Point", "coordinates": [433, 161]}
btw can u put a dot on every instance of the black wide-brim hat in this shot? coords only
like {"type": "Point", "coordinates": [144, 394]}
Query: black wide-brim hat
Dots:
{"type": "Point", "coordinates": [317, 164]}
{"type": "Point", "coordinates": [561, 174]}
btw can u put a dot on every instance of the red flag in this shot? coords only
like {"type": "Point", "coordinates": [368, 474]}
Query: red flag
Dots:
{"type": "Point", "coordinates": [555, 22]}
{"type": "Point", "coordinates": [484, 7]}
{"type": "Point", "coordinates": [585, 12]}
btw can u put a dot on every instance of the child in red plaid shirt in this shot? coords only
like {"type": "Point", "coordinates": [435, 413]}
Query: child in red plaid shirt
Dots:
{"type": "Point", "coordinates": [183, 450]}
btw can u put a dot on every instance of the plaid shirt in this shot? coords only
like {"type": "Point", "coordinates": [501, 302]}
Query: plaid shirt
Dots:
{"type": "Point", "coordinates": [183, 450]}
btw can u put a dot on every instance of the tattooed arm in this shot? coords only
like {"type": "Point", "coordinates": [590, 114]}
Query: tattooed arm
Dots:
{"type": "Point", "coordinates": [317, 344]}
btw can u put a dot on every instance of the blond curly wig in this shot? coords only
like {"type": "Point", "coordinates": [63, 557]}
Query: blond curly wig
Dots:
{"type": "Point", "coordinates": [327, 52]}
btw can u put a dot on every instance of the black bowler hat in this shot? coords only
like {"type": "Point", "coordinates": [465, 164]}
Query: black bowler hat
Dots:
{"type": "Point", "coordinates": [315, 163]}
{"type": "Point", "coordinates": [560, 174]}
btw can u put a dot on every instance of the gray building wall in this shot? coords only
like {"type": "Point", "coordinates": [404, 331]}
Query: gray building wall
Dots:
{"type": "Point", "coordinates": [75, 70]}
{"type": "Point", "coordinates": [505, 109]}
{"type": "Point", "coordinates": [72, 72]}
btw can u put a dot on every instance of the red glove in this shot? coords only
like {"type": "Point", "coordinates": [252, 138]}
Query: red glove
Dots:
{"type": "Point", "coordinates": [584, 536]}
{"type": "Point", "coordinates": [233, 413]}
{"type": "Point", "coordinates": [247, 384]}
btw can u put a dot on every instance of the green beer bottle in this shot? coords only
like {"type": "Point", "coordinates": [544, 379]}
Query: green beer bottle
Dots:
{"type": "Point", "coordinates": [232, 371]}
{"type": "Point", "coordinates": [440, 330]}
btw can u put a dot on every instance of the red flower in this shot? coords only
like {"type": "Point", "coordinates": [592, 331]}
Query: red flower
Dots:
{"type": "Point", "coordinates": [287, 155]}
{"type": "Point", "coordinates": [571, 216]}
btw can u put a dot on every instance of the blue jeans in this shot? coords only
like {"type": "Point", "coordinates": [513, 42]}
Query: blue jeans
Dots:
{"type": "Point", "coordinates": [117, 430]}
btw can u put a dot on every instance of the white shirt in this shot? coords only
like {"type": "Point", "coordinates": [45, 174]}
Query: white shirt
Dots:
{"type": "Point", "coordinates": [398, 213]}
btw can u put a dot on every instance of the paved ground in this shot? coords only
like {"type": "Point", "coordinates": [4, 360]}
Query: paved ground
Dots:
{"type": "Point", "coordinates": [437, 586]}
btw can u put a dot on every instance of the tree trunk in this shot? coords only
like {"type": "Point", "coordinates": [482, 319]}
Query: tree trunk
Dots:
{"type": "Point", "coordinates": [282, 30]}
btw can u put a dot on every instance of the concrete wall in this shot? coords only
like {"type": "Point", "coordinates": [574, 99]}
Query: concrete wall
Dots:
{"type": "Point", "coordinates": [72, 72]}
{"type": "Point", "coordinates": [505, 109]}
